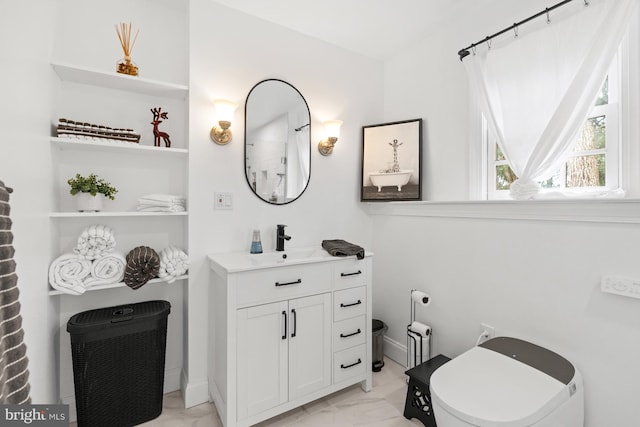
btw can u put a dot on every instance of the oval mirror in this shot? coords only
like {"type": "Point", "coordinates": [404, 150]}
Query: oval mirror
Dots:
{"type": "Point", "coordinates": [277, 142]}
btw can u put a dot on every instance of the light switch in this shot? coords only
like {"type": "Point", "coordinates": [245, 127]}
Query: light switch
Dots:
{"type": "Point", "coordinates": [223, 200]}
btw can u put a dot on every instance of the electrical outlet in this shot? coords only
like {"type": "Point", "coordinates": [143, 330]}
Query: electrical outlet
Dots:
{"type": "Point", "coordinates": [490, 331]}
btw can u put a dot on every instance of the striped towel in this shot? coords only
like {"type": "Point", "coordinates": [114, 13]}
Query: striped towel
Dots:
{"type": "Point", "coordinates": [143, 264]}
{"type": "Point", "coordinates": [14, 372]}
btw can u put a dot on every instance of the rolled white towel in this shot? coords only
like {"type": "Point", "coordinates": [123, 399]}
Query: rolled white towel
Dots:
{"type": "Point", "coordinates": [173, 263]}
{"type": "Point", "coordinates": [106, 270]}
{"type": "Point", "coordinates": [95, 241]}
{"type": "Point", "coordinates": [67, 273]}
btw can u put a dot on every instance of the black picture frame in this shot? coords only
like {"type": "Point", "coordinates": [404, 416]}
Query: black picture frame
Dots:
{"type": "Point", "coordinates": [392, 173]}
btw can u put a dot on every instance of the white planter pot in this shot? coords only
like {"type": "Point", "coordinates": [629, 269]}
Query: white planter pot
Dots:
{"type": "Point", "coordinates": [85, 202]}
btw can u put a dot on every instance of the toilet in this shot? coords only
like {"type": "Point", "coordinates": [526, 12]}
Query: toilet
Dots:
{"type": "Point", "coordinates": [507, 382]}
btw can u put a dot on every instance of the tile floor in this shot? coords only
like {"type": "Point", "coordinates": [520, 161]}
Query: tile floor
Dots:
{"type": "Point", "coordinates": [381, 407]}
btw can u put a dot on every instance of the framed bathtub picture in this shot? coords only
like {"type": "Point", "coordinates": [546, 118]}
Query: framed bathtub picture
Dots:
{"type": "Point", "coordinates": [391, 161]}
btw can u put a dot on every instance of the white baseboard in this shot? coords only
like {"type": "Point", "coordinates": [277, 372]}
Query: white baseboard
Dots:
{"type": "Point", "coordinates": [194, 393]}
{"type": "Point", "coordinates": [171, 380]}
{"type": "Point", "coordinates": [395, 351]}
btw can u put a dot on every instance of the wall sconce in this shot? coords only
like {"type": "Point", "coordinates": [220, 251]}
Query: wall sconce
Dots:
{"type": "Point", "coordinates": [333, 133]}
{"type": "Point", "coordinates": [224, 113]}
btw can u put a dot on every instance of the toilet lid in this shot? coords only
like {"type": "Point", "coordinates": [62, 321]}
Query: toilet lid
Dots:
{"type": "Point", "coordinates": [485, 388]}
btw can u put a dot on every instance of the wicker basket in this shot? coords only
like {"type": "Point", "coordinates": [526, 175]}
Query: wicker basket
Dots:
{"type": "Point", "coordinates": [118, 363]}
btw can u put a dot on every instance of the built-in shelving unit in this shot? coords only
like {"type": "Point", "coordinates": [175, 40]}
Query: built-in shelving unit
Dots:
{"type": "Point", "coordinates": [84, 75]}
{"type": "Point", "coordinates": [76, 153]}
{"type": "Point", "coordinates": [97, 145]}
{"type": "Point", "coordinates": [114, 286]}
{"type": "Point", "coordinates": [113, 214]}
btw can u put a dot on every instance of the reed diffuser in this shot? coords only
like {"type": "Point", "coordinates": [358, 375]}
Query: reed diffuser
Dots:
{"type": "Point", "coordinates": [126, 65]}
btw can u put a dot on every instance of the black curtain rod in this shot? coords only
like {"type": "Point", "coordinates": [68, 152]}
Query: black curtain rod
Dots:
{"type": "Point", "coordinates": [465, 52]}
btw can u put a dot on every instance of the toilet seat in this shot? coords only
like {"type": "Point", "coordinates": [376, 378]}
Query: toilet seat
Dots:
{"type": "Point", "coordinates": [490, 386]}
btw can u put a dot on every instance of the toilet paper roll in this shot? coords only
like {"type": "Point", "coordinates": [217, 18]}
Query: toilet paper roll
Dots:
{"type": "Point", "coordinates": [421, 298]}
{"type": "Point", "coordinates": [420, 328]}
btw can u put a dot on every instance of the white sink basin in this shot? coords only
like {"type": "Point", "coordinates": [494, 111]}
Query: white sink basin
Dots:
{"type": "Point", "coordinates": [288, 256]}
{"type": "Point", "coordinates": [243, 261]}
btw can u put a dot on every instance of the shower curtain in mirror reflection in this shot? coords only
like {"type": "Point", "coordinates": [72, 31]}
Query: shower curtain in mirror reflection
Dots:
{"type": "Point", "coordinates": [302, 154]}
{"type": "Point", "coordinates": [14, 373]}
{"type": "Point", "coordinates": [536, 89]}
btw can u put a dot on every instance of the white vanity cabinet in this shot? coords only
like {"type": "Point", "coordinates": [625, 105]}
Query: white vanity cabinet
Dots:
{"type": "Point", "coordinates": [284, 352]}
{"type": "Point", "coordinates": [286, 332]}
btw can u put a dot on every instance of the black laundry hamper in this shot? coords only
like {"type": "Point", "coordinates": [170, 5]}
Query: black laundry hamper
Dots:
{"type": "Point", "coordinates": [118, 363]}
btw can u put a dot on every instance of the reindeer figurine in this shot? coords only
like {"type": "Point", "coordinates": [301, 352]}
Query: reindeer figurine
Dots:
{"type": "Point", "coordinates": [157, 115]}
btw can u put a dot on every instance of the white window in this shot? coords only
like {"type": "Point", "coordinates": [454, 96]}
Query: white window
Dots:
{"type": "Point", "coordinates": [605, 156]}
{"type": "Point", "coordinates": [592, 166]}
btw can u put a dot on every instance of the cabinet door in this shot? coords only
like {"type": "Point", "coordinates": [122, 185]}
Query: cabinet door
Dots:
{"type": "Point", "coordinates": [262, 366]}
{"type": "Point", "coordinates": [309, 344]}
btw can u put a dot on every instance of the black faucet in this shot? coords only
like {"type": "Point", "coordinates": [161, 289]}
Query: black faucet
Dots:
{"type": "Point", "coordinates": [281, 237]}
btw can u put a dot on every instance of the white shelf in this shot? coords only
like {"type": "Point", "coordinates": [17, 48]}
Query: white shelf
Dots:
{"type": "Point", "coordinates": [113, 286]}
{"type": "Point", "coordinates": [97, 145]}
{"type": "Point", "coordinates": [113, 214]}
{"type": "Point", "coordinates": [113, 80]}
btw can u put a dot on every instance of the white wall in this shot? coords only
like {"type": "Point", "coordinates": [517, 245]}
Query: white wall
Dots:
{"type": "Point", "coordinates": [24, 148]}
{"type": "Point", "coordinates": [230, 53]}
{"type": "Point", "coordinates": [537, 280]}
{"type": "Point", "coordinates": [34, 34]}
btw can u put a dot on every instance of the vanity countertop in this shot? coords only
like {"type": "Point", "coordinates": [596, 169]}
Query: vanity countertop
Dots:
{"type": "Point", "coordinates": [233, 262]}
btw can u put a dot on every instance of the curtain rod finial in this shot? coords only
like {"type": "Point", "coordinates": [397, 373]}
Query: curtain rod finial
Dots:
{"type": "Point", "coordinates": [463, 53]}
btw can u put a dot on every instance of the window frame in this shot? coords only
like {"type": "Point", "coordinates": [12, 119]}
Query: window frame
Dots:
{"type": "Point", "coordinates": [612, 149]}
{"type": "Point", "coordinates": [626, 131]}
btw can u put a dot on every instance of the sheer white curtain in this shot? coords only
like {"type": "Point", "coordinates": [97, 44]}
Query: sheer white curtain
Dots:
{"type": "Point", "coordinates": [536, 88]}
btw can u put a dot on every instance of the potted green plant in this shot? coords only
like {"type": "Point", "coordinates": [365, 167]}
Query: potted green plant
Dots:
{"type": "Point", "coordinates": [89, 191]}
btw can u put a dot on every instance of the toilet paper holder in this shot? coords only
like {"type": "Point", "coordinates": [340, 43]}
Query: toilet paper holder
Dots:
{"type": "Point", "coordinates": [418, 333]}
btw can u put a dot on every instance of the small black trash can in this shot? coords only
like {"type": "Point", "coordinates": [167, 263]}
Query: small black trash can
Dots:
{"type": "Point", "coordinates": [118, 363]}
{"type": "Point", "coordinates": [377, 337]}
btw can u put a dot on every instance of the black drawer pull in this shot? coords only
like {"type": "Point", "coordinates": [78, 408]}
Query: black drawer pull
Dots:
{"type": "Point", "coordinates": [350, 305]}
{"type": "Point", "coordinates": [353, 364]}
{"type": "Point", "coordinates": [289, 283]}
{"type": "Point", "coordinates": [351, 334]}
{"type": "Point", "coordinates": [350, 274]}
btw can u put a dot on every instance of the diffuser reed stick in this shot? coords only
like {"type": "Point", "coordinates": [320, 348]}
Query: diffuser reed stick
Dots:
{"type": "Point", "coordinates": [125, 65]}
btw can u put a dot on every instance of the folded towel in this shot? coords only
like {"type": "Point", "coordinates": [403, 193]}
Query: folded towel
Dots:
{"type": "Point", "coordinates": [143, 264]}
{"type": "Point", "coordinates": [154, 208]}
{"type": "Point", "coordinates": [95, 241]}
{"type": "Point", "coordinates": [339, 247]}
{"type": "Point", "coordinates": [106, 270]}
{"type": "Point", "coordinates": [68, 272]}
{"type": "Point", "coordinates": [6, 252]}
{"type": "Point", "coordinates": [6, 237]}
{"type": "Point", "coordinates": [5, 222]}
{"type": "Point", "coordinates": [5, 208]}
{"type": "Point", "coordinates": [7, 266]}
{"type": "Point", "coordinates": [173, 263]}
{"type": "Point", "coordinates": [161, 198]}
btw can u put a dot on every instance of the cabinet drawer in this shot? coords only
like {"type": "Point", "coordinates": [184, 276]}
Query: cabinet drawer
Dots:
{"type": "Point", "coordinates": [262, 286]}
{"type": "Point", "coordinates": [350, 272]}
{"type": "Point", "coordinates": [349, 333]}
{"type": "Point", "coordinates": [349, 363]}
{"type": "Point", "coordinates": [349, 303]}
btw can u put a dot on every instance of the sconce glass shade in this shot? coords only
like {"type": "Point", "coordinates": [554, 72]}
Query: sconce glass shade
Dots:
{"type": "Point", "coordinates": [225, 110]}
{"type": "Point", "coordinates": [221, 134]}
{"type": "Point", "coordinates": [332, 128]}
